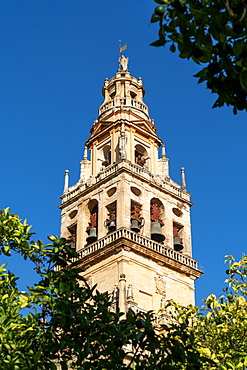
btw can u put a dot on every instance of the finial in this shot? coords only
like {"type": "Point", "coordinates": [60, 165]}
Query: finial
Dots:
{"type": "Point", "coordinates": [163, 152]}
{"type": "Point", "coordinates": [183, 179]}
{"type": "Point", "coordinates": [85, 153]}
{"type": "Point", "coordinates": [122, 60]}
{"type": "Point", "coordinates": [130, 294]}
{"type": "Point", "coordinates": [66, 181]}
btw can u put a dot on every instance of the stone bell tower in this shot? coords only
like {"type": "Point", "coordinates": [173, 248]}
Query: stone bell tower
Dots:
{"type": "Point", "coordinates": [128, 220]}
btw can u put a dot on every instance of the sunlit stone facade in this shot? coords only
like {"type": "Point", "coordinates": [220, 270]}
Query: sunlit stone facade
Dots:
{"type": "Point", "coordinates": [128, 220]}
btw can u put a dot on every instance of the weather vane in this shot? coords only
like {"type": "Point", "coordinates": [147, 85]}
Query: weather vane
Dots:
{"type": "Point", "coordinates": [122, 60]}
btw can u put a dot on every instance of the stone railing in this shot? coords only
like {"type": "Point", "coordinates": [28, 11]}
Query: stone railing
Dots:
{"type": "Point", "coordinates": [132, 167]}
{"type": "Point", "coordinates": [138, 239]}
{"type": "Point", "coordinates": [143, 172]}
{"type": "Point", "coordinates": [104, 107]}
{"type": "Point", "coordinates": [123, 102]}
{"type": "Point", "coordinates": [139, 105]}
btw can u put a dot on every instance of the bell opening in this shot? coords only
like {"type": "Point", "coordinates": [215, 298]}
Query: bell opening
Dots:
{"type": "Point", "coordinates": [156, 233]}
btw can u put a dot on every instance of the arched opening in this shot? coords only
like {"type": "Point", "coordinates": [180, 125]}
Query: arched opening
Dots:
{"type": "Point", "coordinates": [136, 219]}
{"type": "Point", "coordinates": [133, 95]}
{"type": "Point", "coordinates": [72, 229]}
{"type": "Point", "coordinates": [92, 228]}
{"type": "Point", "coordinates": [111, 221]}
{"type": "Point", "coordinates": [157, 220]}
{"type": "Point", "coordinates": [106, 155]}
{"type": "Point", "coordinates": [141, 156]}
{"type": "Point", "coordinates": [178, 236]}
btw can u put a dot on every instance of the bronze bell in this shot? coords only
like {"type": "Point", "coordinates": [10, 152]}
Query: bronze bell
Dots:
{"type": "Point", "coordinates": [134, 226]}
{"type": "Point", "coordinates": [178, 245]}
{"type": "Point", "coordinates": [112, 226]}
{"type": "Point", "coordinates": [92, 237]}
{"type": "Point", "coordinates": [156, 233]}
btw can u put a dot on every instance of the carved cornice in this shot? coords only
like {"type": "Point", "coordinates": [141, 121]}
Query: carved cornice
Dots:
{"type": "Point", "coordinates": [124, 244]}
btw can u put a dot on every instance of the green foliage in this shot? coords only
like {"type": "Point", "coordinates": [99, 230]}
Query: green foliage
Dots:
{"type": "Point", "coordinates": [70, 325]}
{"type": "Point", "coordinates": [212, 33]}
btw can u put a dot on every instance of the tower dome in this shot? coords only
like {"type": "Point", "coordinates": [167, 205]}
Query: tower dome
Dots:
{"type": "Point", "coordinates": [123, 91]}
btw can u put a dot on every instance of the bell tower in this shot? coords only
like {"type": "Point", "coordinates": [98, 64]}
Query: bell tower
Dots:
{"type": "Point", "coordinates": [127, 219]}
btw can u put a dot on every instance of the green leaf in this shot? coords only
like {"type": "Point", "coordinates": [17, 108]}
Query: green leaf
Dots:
{"type": "Point", "coordinates": [173, 48]}
{"type": "Point", "coordinates": [238, 47]}
{"type": "Point", "coordinates": [243, 79]}
{"type": "Point", "coordinates": [155, 18]}
{"type": "Point", "coordinates": [162, 2]}
{"type": "Point", "coordinates": [158, 43]}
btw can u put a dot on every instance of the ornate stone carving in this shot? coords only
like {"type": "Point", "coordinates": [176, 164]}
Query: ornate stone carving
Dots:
{"type": "Point", "coordinates": [90, 282]}
{"type": "Point", "coordinates": [160, 285]}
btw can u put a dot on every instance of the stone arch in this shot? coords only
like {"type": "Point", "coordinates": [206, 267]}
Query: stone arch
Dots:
{"type": "Point", "coordinates": [157, 220]}
{"type": "Point", "coordinates": [104, 156]}
{"type": "Point", "coordinates": [107, 155]}
{"type": "Point", "coordinates": [92, 220]}
{"type": "Point", "coordinates": [141, 156]}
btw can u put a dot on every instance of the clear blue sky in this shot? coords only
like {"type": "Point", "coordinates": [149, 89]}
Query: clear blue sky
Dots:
{"type": "Point", "coordinates": [55, 56]}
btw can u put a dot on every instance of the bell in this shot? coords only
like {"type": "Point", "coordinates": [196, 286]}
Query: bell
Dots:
{"type": "Point", "coordinates": [112, 226]}
{"type": "Point", "coordinates": [156, 233]}
{"type": "Point", "coordinates": [178, 246]}
{"type": "Point", "coordinates": [92, 237]}
{"type": "Point", "coordinates": [134, 226]}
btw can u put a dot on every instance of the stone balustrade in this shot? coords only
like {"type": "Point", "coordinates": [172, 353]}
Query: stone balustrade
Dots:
{"type": "Point", "coordinates": [123, 102]}
{"type": "Point", "coordinates": [141, 240]}
{"type": "Point", "coordinates": [134, 168]}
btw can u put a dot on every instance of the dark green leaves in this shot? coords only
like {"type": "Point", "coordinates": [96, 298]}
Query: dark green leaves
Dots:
{"type": "Point", "coordinates": [210, 33]}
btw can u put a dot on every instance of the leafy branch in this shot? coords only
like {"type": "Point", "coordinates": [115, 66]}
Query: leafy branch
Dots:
{"type": "Point", "coordinates": [212, 33]}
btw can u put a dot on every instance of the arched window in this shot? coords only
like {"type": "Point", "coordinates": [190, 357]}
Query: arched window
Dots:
{"type": "Point", "coordinates": [111, 221]}
{"type": "Point", "coordinates": [178, 236]}
{"type": "Point", "coordinates": [107, 155]}
{"type": "Point", "coordinates": [136, 219]}
{"type": "Point", "coordinates": [92, 228]}
{"type": "Point", "coordinates": [157, 220]}
{"type": "Point", "coordinates": [141, 155]}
